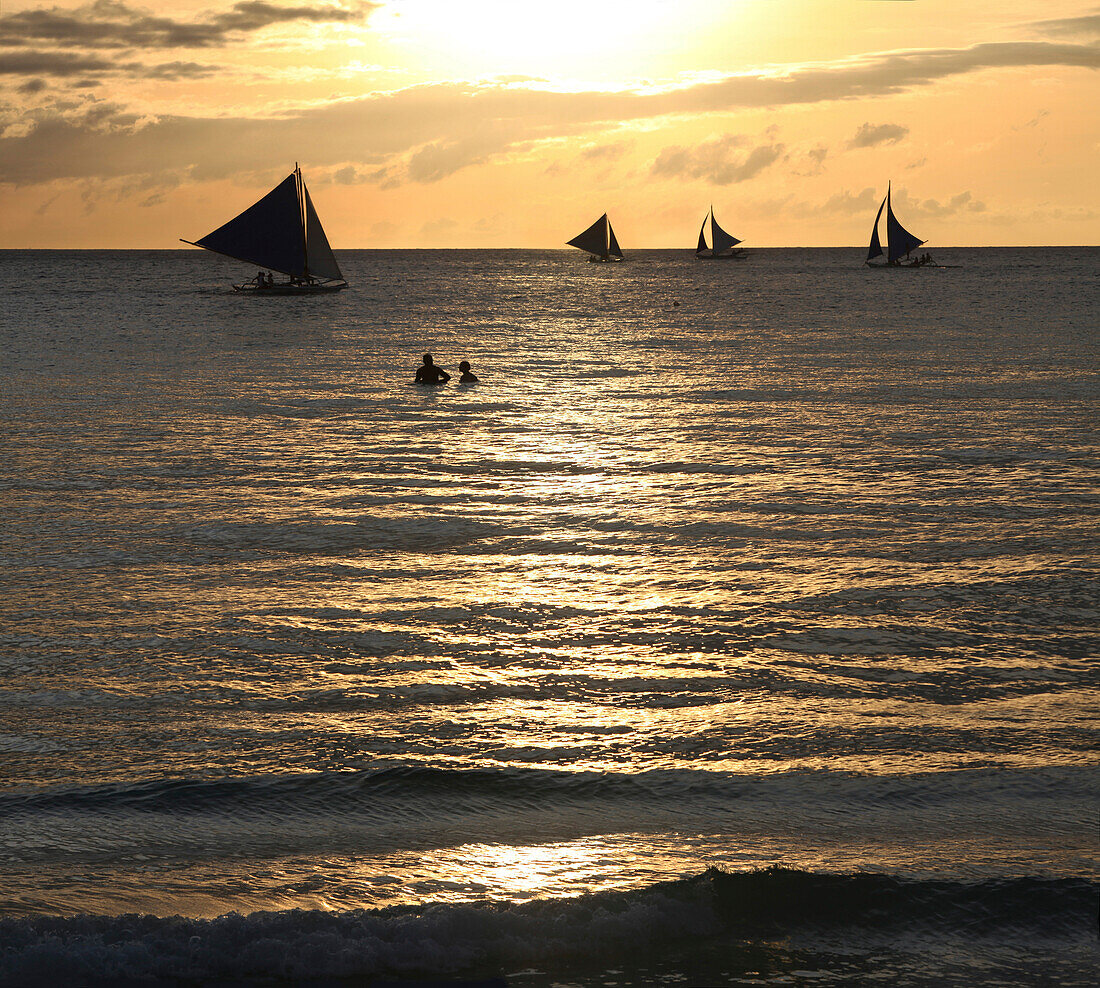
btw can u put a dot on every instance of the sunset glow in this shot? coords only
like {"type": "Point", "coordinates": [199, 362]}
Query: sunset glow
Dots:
{"type": "Point", "coordinates": [571, 38]}
{"type": "Point", "coordinates": [425, 123]}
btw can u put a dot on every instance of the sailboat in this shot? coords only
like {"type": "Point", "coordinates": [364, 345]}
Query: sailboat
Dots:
{"type": "Point", "coordinates": [722, 244]}
{"type": "Point", "coordinates": [282, 233]}
{"type": "Point", "coordinates": [599, 240]}
{"type": "Point", "coordinates": [899, 241]}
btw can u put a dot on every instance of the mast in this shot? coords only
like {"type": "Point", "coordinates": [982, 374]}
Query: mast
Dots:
{"type": "Point", "coordinates": [281, 232]}
{"type": "Point", "coordinates": [889, 211]}
{"type": "Point", "coordinates": [899, 240]}
{"type": "Point", "coordinates": [299, 188]}
{"type": "Point", "coordinates": [720, 241]}
{"type": "Point", "coordinates": [613, 248]}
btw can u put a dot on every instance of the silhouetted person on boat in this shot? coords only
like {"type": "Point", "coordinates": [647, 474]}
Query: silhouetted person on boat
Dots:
{"type": "Point", "coordinates": [428, 373]}
{"type": "Point", "coordinates": [468, 376]}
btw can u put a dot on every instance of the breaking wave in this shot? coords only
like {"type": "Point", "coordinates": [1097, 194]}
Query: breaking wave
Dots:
{"type": "Point", "coordinates": [591, 932]}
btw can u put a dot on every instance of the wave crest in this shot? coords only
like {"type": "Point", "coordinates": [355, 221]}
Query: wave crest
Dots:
{"type": "Point", "coordinates": [489, 938]}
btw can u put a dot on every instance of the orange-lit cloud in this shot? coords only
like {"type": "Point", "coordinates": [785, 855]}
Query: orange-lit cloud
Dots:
{"type": "Point", "coordinates": [118, 103]}
{"type": "Point", "coordinates": [114, 24]}
{"type": "Point", "coordinates": [451, 126]}
{"type": "Point", "coordinates": [871, 135]}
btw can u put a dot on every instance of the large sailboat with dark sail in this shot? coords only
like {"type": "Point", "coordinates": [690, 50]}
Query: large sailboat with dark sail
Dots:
{"type": "Point", "coordinates": [900, 243]}
{"type": "Point", "coordinates": [282, 234]}
{"type": "Point", "coordinates": [599, 241]}
{"type": "Point", "coordinates": [723, 246]}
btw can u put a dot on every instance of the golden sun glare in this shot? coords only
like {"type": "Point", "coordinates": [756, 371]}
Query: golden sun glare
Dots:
{"type": "Point", "coordinates": [506, 36]}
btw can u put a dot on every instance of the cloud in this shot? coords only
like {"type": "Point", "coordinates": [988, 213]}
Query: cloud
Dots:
{"type": "Point", "coordinates": [846, 203]}
{"type": "Point", "coordinates": [870, 135]}
{"type": "Point", "coordinates": [113, 24]}
{"type": "Point", "coordinates": [1034, 121]}
{"type": "Point", "coordinates": [440, 227]}
{"type": "Point", "coordinates": [55, 63]}
{"type": "Point", "coordinates": [716, 161]}
{"type": "Point", "coordinates": [814, 160]}
{"type": "Point", "coordinates": [445, 127]}
{"type": "Point", "coordinates": [964, 202]}
{"type": "Point", "coordinates": [172, 70]}
{"type": "Point", "coordinates": [32, 86]}
{"type": "Point", "coordinates": [605, 152]}
{"type": "Point", "coordinates": [1087, 26]}
{"type": "Point", "coordinates": [491, 224]}
{"type": "Point", "coordinates": [439, 159]}
{"type": "Point", "coordinates": [672, 161]}
{"type": "Point", "coordinates": [63, 64]}
{"type": "Point", "coordinates": [46, 203]}
{"type": "Point", "coordinates": [867, 202]}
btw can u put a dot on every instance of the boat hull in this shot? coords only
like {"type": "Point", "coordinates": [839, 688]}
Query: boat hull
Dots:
{"type": "Point", "coordinates": [905, 267]}
{"type": "Point", "coordinates": [288, 289]}
{"type": "Point", "coordinates": [737, 255]}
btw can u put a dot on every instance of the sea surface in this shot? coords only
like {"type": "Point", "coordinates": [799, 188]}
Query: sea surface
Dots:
{"type": "Point", "coordinates": [739, 627]}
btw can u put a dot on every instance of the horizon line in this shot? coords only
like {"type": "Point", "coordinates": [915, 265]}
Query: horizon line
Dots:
{"type": "Point", "coordinates": [566, 248]}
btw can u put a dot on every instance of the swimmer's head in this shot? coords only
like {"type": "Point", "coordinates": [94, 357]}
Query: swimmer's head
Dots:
{"type": "Point", "coordinates": [464, 366]}
{"type": "Point", "coordinates": [427, 358]}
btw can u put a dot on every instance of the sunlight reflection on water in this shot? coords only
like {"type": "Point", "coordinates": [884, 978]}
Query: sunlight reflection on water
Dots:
{"type": "Point", "coordinates": [691, 538]}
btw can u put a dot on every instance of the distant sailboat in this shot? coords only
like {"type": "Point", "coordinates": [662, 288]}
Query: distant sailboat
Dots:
{"type": "Point", "coordinates": [899, 241]}
{"type": "Point", "coordinates": [599, 240]}
{"type": "Point", "coordinates": [281, 233]}
{"type": "Point", "coordinates": [722, 244]}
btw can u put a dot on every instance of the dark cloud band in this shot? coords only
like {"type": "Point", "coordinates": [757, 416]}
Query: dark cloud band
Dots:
{"type": "Point", "coordinates": [66, 65]}
{"type": "Point", "coordinates": [447, 127]}
{"type": "Point", "coordinates": [113, 24]}
{"type": "Point", "coordinates": [871, 135]}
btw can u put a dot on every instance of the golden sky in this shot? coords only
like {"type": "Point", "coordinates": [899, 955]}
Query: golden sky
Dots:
{"type": "Point", "coordinates": [483, 123]}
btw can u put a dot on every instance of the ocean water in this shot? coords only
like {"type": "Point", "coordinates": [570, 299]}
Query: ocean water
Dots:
{"type": "Point", "coordinates": [739, 627]}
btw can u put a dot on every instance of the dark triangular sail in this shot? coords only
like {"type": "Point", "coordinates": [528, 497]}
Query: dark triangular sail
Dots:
{"type": "Point", "coordinates": [319, 259]}
{"type": "Point", "coordinates": [702, 245]}
{"type": "Point", "coordinates": [268, 234]}
{"type": "Point", "coordinates": [721, 240]}
{"type": "Point", "coordinates": [594, 239]}
{"type": "Point", "coordinates": [899, 240]}
{"type": "Point", "coordinates": [874, 249]}
{"type": "Point", "coordinates": [613, 248]}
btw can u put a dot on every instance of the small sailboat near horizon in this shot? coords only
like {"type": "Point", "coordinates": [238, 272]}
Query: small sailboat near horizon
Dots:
{"type": "Point", "coordinates": [899, 242]}
{"type": "Point", "coordinates": [281, 233]}
{"type": "Point", "coordinates": [723, 245]}
{"type": "Point", "coordinates": [599, 241]}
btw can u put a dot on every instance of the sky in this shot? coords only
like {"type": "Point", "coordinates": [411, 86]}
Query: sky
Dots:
{"type": "Point", "coordinates": [508, 123]}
